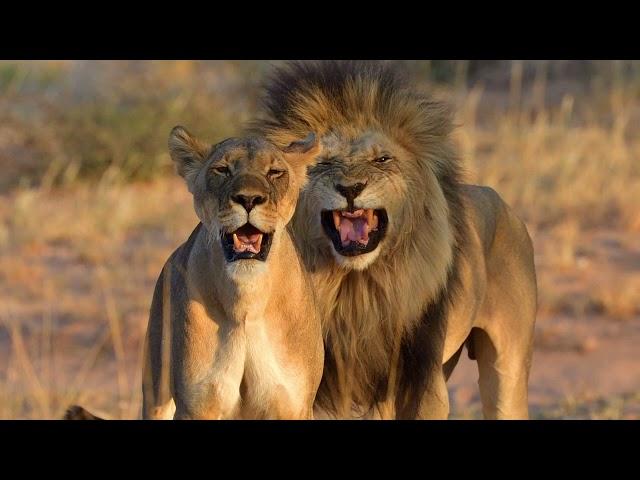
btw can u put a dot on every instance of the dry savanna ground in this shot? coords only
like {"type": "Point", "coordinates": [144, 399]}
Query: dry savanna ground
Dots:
{"type": "Point", "coordinates": [90, 210]}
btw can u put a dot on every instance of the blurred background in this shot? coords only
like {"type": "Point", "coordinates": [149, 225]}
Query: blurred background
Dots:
{"type": "Point", "coordinates": [90, 209]}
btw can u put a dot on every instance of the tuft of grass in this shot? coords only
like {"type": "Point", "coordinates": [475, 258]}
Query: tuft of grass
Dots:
{"type": "Point", "coordinates": [617, 301]}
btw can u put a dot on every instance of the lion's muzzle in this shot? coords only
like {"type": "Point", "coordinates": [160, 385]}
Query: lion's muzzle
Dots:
{"type": "Point", "coordinates": [354, 232]}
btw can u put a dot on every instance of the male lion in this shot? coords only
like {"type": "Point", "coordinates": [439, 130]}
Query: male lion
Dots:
{"type": "Point", "coordinates": [409, 263]}
{"type": "Point", "coordinates": [233, 330]}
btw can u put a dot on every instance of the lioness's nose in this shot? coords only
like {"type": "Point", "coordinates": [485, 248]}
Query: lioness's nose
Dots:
{"type": "Point", "coordinates": [350, 191]}
{"type": "Point", "coordinates": [248, 201]}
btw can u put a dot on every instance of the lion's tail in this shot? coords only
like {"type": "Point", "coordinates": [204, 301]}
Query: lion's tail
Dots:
{"type": "Point", "coordinates": [76, 412]}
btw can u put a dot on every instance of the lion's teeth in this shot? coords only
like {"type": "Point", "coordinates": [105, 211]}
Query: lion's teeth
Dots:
{"type": "Point", "coordinates": [336, 219]}
{"type": "Point", "coordinates": [370, 218]}
{"type": "Point", "coordinates": [373, 223]}
{"type": "Point", "coordinates": [358, 213]}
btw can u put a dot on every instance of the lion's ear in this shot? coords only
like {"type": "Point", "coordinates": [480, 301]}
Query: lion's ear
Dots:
{"type": "Point", "coordinates": [187, 152]}
{"type": "Point", "coordinates": [302, 153]}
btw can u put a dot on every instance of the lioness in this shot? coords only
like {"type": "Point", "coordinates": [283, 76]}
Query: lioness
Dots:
{"type": "Point", "coordinates": [234, 330]}
{"type": "Point", "coordinates": [409, 263]}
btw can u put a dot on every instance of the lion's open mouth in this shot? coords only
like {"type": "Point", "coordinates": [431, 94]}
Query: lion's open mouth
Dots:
{"type": "Point", "coordinates": [354, 232]}
{"type": "Point", "coordinates": [245, 243]}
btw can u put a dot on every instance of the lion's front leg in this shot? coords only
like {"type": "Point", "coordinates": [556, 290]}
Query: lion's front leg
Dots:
{"type": "Point", "coordinates": [422, 390]}
{"type": "Point", "coordinates": [434, 404]}
{"type": "Point", "coordinates": [431, 402]}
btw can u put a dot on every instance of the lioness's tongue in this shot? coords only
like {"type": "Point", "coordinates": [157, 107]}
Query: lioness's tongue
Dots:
{"type": "Point", "coordinates": [253, 238]}
{"type": "Point", "coordinates": [251, 242]}
{"type": "Point", "coordinates": [354, 230]}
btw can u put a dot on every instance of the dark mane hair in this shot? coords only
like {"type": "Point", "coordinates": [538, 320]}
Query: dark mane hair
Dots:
{"type": "Point", "coordinates": [287, 84]}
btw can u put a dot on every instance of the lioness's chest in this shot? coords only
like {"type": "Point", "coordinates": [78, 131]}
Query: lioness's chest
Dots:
{"type": "Point", "coordinates": [271, 374]}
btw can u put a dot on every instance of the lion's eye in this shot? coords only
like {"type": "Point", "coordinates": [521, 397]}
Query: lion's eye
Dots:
{"type": "Point", "coordinates": [274, 173]}
{"type": "Point", "coordinates": [222, 170]}
{"type": "Point", "coordinates": [383, 159]}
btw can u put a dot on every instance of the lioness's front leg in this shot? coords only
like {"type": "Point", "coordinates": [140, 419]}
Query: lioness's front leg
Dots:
{"type": "Point", "coordinates": [288, 405]}
{"type": "Point", "coordinates": [157, 401]}
{"type": "Point", "coordinates": [208, 382]}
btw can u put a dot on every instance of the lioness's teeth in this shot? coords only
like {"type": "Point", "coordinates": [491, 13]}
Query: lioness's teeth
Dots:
{"type": "Point", "coordinates": [237, 245]}
{"type": "Point", "coordinates": [258, 244]}
{"type": "Point", "coordinates": [336, 219]}
{"type": "Point", "coordinates": [373, 223]}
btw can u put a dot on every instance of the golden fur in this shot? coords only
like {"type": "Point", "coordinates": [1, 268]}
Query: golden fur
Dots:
{"type": "Point", "coordinates": [454, 266]}
{"type": "Point", "coordinates": [234, 339]}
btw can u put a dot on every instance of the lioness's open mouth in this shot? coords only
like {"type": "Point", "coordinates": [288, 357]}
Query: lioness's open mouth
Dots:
{"type": "Point", "coordinates": [354, 232]}
{"type": "Point", "coordinates": [245, 243]}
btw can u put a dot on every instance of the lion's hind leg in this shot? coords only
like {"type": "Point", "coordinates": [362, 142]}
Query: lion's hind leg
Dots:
{"type": "Point", "coordinates": [504, 376]}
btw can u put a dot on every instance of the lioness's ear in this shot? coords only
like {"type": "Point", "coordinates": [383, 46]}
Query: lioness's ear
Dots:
{"type": "Point", "coordinates": [187, 152]}
{"type": "Point", "coordinates": [301, 153]}
{"type": "Point", "coordinates": [308, 147]}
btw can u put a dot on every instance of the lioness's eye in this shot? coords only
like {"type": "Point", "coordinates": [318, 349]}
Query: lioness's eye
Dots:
{"type": "Point", "coordinates": [273, 173]}
{"type": "Point", "coordinates": [222, 170]}
{"type": "Point", "coordinates": [383, 159]}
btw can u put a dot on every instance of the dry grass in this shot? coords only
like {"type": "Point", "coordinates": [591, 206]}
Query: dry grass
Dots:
{"type": "Point", "coordinates": [560, 172]}
{"type": "Point", "coordinates": [87, 257]}
{"type": "Point", "coordinates": [63, 120]}
{"type": "Point", "coordinates": [78, 259]}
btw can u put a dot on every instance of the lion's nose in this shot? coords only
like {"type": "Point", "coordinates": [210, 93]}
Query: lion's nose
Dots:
{"type": "Point", "coordinates": [350, 192]}
{"type": "Point", "coordinates": [248, 201]}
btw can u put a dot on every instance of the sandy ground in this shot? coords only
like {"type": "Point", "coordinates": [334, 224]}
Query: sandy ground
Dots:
{"type": "Point", "coordinates": [561, 378]}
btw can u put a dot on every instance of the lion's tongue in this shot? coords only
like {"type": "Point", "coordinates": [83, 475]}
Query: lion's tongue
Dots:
{"type": "Point", "coordinates": [354, 230]}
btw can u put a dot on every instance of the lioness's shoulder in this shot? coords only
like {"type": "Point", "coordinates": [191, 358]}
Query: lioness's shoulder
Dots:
{"type": "Point", "coordinates": [180, 255]}
{"type": "Point", "coordinates": [176, 264]}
